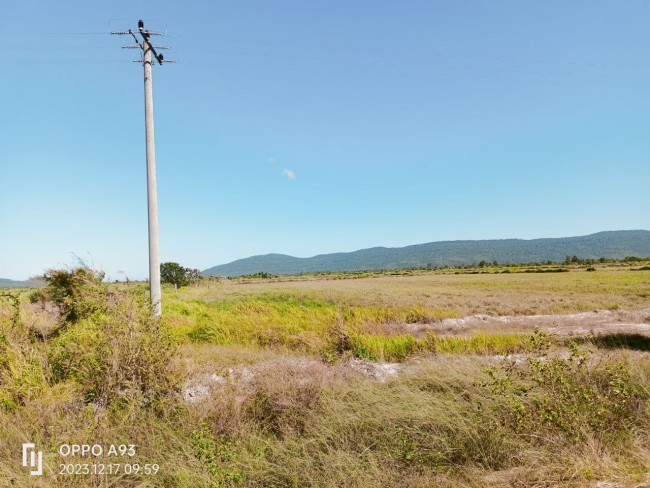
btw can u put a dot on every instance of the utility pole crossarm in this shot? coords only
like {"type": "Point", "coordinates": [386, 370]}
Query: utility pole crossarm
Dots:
{"type": "Point", "coordinates": [148, 50]}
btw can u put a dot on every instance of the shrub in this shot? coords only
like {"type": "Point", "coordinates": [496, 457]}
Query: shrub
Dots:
{"type": "Point", "coordinates": [77, 292]}
{"type": "Point", "coordinates": [14, 300]}
{"type": "Point", "coordinates": [118, 356]}
{"type": "Point", "coordinates": [108, 342]}
{"type": "Point", "coordinates": [572, 397]}
{"type": "Point", "coordinates": [216, 455]}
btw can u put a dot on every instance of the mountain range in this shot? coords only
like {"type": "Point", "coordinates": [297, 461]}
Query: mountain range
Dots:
{"type": "Point", "coordinates": [608, 244]}
{"type": "Point", "coordinates": [5, 283]}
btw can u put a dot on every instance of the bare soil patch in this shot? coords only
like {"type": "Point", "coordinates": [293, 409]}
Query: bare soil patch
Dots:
{"type": "Point", "coordinates": [576, 324]}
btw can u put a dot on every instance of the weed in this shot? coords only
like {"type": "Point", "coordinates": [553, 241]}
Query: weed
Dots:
{"type": "Point", "coordinates": [217, 456]}
{"type": "Point", "coordinates": [570, 396]}
{"type": "Point", "coordinates": [77, 292]}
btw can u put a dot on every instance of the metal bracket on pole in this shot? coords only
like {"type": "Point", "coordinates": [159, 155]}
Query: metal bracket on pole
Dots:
{"type": "Point", "coordinates": [152, 195]}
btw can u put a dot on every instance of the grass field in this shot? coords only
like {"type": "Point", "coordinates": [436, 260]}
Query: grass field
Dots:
{"type": "Point", "coordinates": [331, 380]}
{"type": "Point", "coordinates": [373, 314]}
{"type": "Point", "coordinates": [515, 293]}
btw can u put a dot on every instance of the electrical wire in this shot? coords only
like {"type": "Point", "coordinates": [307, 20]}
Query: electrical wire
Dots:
{"type": "Point", "coordinates": [36, 34]}
{"type": "Point", "coordinates": [427, 77]}
{"type": "Point", "coordinates": [441, 72]}
{"type": "Point", "coordinates": [536, 60]}
{"type": "Point", "coordinates": [266, 44]}
{"type": "Point", "coordinates": [393, 64]}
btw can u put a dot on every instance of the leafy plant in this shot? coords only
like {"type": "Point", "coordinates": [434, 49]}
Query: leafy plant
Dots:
{"type": "Point", "coordinates": [77, 292]}
{"type": "Point", "coordinates": [570, 396]}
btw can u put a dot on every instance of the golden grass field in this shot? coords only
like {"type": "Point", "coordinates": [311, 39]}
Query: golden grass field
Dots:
{"type": "Point", "coordinates": [302, 314]}
{"type": "Point", "coordinates": [466, 294]}
{"type": "Point", "coordinates": [359, 380]}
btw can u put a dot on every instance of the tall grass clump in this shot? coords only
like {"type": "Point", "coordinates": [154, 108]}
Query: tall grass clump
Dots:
{"type": "Point", "coordinates": [22, 372]}
{"type": "Point", "coordinates": [76, 293]}
{"type": "Point", "coordinates": [445, 422]}
{"type": "Point", "coordinates": [105, 372]}
{"type": "Point", "coordinates": [400, 347]}
{"type": "Point", "coordinates": [316, 326]}
{"type": "Point", "coordinates": [108, 342]}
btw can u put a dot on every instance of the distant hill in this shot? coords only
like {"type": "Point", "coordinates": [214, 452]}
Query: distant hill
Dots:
{"type": "Point", "coordinates": [5, 283]}
{"type": "Point", "coordinates": [611, 244]}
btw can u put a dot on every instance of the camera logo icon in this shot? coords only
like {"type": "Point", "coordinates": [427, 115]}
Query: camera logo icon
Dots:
{"type": "Point", "coordinates": [35, 459]}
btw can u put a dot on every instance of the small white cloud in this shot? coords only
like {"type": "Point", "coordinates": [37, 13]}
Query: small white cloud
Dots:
{"type": "Point", "coordinates": [272, 160]}
{"type": "Point", "coordinates": [289, 174]}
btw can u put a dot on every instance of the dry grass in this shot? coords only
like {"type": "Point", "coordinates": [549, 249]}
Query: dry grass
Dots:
{"type": "Point", "coordinates": [392, 317]}
{"type": "Point", "coordinates": [464, 294]}
{"type": "Point", "coordinates": [278, 414]}
{"type": "Point", "coordinates": [442, 422]}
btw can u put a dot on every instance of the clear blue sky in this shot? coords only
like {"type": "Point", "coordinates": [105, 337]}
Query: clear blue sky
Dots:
{"type": "Point", "coordinates": [313, 127]}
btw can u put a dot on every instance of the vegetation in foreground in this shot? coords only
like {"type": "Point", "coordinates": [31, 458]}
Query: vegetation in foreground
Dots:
{"type": "Point", "coordinates": [91, 366]}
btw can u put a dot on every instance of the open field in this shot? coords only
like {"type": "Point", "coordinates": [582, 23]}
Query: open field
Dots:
{"type": "Point", "coordinates": [515, 293]}
{"type": "Point", "coordinates": [391, 317]}
{"type": "Point", "coordinates": [410, 379]}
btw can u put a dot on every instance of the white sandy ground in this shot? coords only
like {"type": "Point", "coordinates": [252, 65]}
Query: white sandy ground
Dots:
{"type": "Point", "coordinates": [199, 387]}
{"type": "Point", "coordinates": [577, 324]}
{"type": "Point", "coordinates": [597, 322]}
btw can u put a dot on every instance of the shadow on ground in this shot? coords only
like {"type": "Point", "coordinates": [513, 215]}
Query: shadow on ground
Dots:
{"type": "Point", "coordinates": [637, 342]}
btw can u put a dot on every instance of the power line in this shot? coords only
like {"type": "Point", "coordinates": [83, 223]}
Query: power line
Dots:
{"type": "Point", "coordinates": [65, 61]}
{"type": "Point", "coordinates": [365, 73]}
{"type": "Point", "coordinates": [374, 50]}
{"type": "Point", "coordinates": [479, 72]}
{"type": "Point", "coordinates": [393, 64]}
{"type": "Point", "coordinates": [149, 53]}
{"type": "Point", "coordinates": [359, 63]}
{"type": "Point", "coordinates": [55, 48]}
{"type": "Point", "coordinates": [535, 60]}
{"type": "Point", "coordinates": [33, 34]}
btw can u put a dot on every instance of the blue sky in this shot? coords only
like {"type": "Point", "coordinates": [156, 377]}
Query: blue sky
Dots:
{"type": "Point", "coordinates": [313, 127]}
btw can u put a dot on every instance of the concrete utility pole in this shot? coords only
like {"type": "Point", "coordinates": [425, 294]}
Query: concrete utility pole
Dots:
{"type": "Point", "coordinates": [152, 193]}
{"type": "Point", "coordinates": [149, 52]}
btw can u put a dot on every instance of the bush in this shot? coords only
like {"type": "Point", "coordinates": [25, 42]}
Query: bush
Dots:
{"type": "Point", "coordinates": [108, 342]}
{"type": "Point", "coordinates": [22, 372]}
{"type": "Point", "coordinates": [77, 293]}
{"type": "Point", "coordinates": [572, 397]}
{"type": "Point", "coordinates": [119, 356]}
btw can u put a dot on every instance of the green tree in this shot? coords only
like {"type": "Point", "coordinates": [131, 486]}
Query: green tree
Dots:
{"type": "Point", "coordinates": [194, 276]}
{"type": "Point", "coordinates": [174, 274]}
